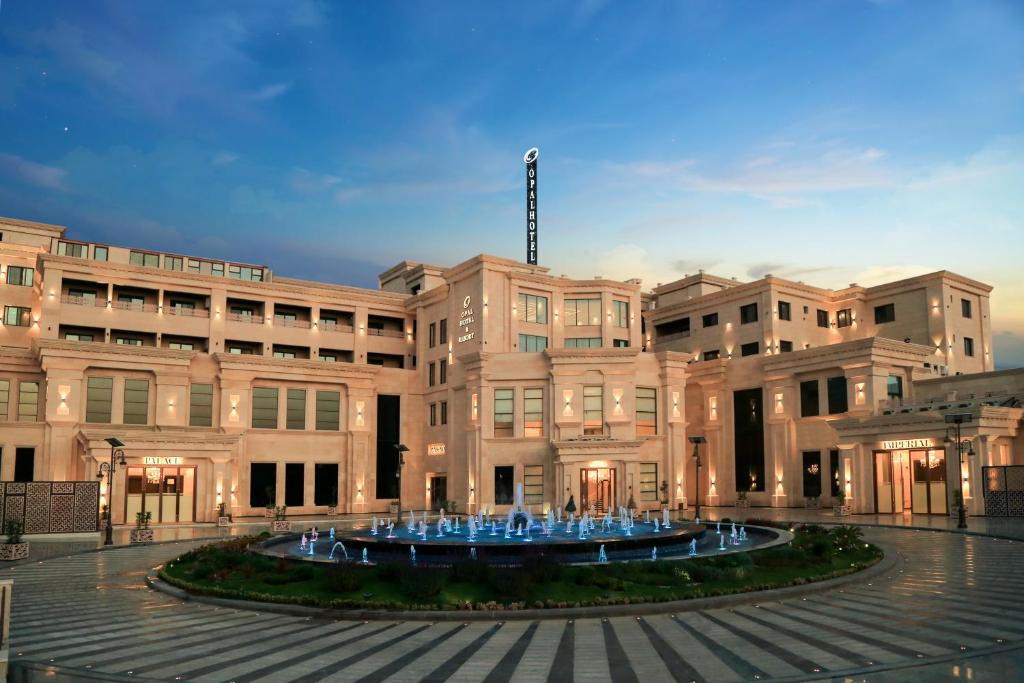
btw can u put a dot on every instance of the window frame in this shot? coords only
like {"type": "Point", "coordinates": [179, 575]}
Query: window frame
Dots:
{"type": "Point", "coordinates": [785, 310]}
{"type": "Point", "coordinates": [745, 311]}
{"type": "Point", "coordinates": [533, 412]}
{"type": "Point", "coordinates": [885, 313]}
{"type": "Point", "coordinates": [648, 426]}
{"type": "Point", "coordinates": [506, 398]}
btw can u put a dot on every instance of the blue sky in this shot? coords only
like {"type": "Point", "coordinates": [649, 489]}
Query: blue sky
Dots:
{"type": "Point", "coordinates": [831, 142]}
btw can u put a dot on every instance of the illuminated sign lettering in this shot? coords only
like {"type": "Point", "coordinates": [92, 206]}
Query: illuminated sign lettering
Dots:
{"type": "Point", "coordinates": [161, 460]}
{"type": "Point", "coordinates": [902, 444]}
{"type": "Point", "coordinates": [435, 449]}
{"type": "Point", "coordinates": [465, 320]}
{"type": "Point", "coordinates": [531, 205]}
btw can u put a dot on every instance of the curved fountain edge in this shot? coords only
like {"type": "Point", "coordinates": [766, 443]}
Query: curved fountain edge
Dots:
{"type": "Point", "coordinates": [888, 562]}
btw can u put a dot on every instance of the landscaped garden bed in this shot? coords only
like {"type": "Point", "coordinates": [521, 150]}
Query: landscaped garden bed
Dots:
{"type": "Point", "coordinates": [230, 570]}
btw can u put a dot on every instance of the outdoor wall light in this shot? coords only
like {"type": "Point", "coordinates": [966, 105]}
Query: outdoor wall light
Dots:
{"type": "Point", "coordinates": [359, 413]}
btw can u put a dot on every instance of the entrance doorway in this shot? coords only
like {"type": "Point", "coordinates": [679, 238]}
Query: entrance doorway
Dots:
{"type": "Point", "coordinates": [438, 492]}
{"type": "Point", "coordinates": [166, 492]}
{"type": "Point", "coordinates": [597, 488]}
{"type": "Point", "coordinates": [910, 481]}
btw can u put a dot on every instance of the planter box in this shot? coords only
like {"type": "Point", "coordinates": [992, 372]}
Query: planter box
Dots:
{"type": "Point", "coordinates": [841, 510]}
{"type": "Point", "coordinates": [223, 521]}
{"type": "Point", "coordinates": [141, 536]}
{"type": "Point", "coordinates": [812, 503]}
{"type": "Point", "coordinates": [280, 526]}
{"type": "Point", "coordinates": [14, 551]}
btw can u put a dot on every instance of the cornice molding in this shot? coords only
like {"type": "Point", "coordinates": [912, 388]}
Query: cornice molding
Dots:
{"type": "Point", "coordinates": [235, 361]}
{"type": "Point", "coordinates": [62, 348]}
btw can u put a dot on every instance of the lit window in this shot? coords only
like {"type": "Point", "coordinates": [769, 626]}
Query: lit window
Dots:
{"type": "Point", "coordinates": [533, 412]}
{"type": "Point", "coordinates": [20, 276]}
{"type": "Point", "coordinates": [532, 308]}
{"type": "Point", "coordinates": [593, 410]}
{"type": "Point", "coordinates": [646, 411]}
{"type": "Point", "coordinates": [504, 400]}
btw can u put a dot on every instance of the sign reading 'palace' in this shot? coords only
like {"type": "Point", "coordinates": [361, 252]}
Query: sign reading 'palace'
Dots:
{"type": "Point", "coordinates": [903, 444]}
{"type": "Point", "coordinates": [465, 320]}
{"type": "Point", "coordinates": [531, 205]}
{"type": "Point", "coordinates": [161, 460]}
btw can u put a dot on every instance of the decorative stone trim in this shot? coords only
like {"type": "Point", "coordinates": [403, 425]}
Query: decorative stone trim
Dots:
{"type": "Point", "coordinates": [141, 536]}
{"type": "Point", "coordinates": [268, 513]}
{"type": "Point", "coordinates": [223, 521]}
{"type": "Point", "coordinates": [812, 503]}
{"type": "Point", "coordinates": [13, 551]}
{"type": "Point", "coordinates": [281, 526]}
{"type": "Point", "coordinates": [332, 511]}
{"type": "Point", "coordinates": [841, 510]}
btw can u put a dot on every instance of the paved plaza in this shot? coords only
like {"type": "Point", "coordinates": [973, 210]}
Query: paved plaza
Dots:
{"type": "Point", "coordinates": [950, 608]}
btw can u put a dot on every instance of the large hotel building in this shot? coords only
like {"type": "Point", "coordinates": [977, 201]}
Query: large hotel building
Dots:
{"type": "Point", "coordinates": [230, 384]}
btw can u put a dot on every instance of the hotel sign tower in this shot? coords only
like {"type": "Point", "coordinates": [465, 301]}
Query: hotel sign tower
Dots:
{"type": "Point", "coordinates": [531, 205]}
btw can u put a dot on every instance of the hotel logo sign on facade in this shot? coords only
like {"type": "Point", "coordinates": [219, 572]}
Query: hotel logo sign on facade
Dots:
{"type": "Point", "coordinates": [465, 320]}
{"type": "Point", "coordinates": [531, 205]}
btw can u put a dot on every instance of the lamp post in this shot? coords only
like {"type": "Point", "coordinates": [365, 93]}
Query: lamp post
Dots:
{"type": "Point", "coordinates": [957, 419]}
{"type": "Point", "coordinates": [108, 469]}
{"type": "Point", "coordinates": [697, 441]}
{"type": "Point", "coordinates": [402, 450]}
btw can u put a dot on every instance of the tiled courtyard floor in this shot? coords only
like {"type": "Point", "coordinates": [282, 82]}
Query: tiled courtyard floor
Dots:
{"type": "Point", "coordinates": [951, 609]}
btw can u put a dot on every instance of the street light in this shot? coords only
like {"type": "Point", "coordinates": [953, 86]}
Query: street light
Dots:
{"type": "Point", "coordinates": [958, 419]}
{"type": "Point", "coordinates": [116, 458]}
{"type": "Point", "coordinates": [697, 441]}
{"type": "Point", "coordinates": [402, 450]}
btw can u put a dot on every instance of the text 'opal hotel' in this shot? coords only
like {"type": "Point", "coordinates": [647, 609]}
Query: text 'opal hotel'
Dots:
{"type": "Point", "coordinates": [228, 384]}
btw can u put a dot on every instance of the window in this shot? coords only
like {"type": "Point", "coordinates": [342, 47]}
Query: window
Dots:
{"type": "Point", "coordinates": [713, 354]}
{"type": "Point", "coordinates": [143, 258]}
{"type": "Point", "coordinates": [193, 266]}
{"type": "Point", "coordinates": [217, 269]}
{"type": "Point", "coordinates": [583, 343]}
{"type": "Point", "coordinates": [648, 481]}
{"type": "Point", "coordinates": [533, 412]}
{"type": "Point", "coordinates": [593, 410]}
{"type": "Point", "coordinates": [968, 346]}
{"type": "Point", "coordinates": [240, 350]}
{"type": "Point", "coordinates": [24, 464]}
{"type": "Point", "coordinates": [504, 400]}
{"type": "Point", "coordinates": [281, 353]}
{"type": "Point", "coordinates": [77, 336]}
{"type": "Point", "coordinates": [837, 395]}
{"type": "Point", "coordinates": [822, 318]}
{"type": "Point", "coordinates": [809, 402]}
{"type": "Point", "coordinates": [20, 276]}
{"type": "Point", "coordinates": [180, 346]}
{"type": "Point", "coordinates": [136, 401]}
{"type": "Point", "coordinates": [442, 372]}
{"type": "Point", "coordinates": [532, 342]}
{"type": "Point", "coordinates": [844, 317]}
{"type": "Point", "coordinates": [294, 484]}
{"type": "Point", "coordinates": [620, 343]}
{"type": "Point", "coordinates": [99, 395]}
{"type": "Point", "coordinates": [894, 386]}
{"type": "Point", "coordinates": [5, 398]}
{"type": "Point", "coordinates": [285, 317]}
{"type": "Point", "coordinates": [328, 411]}
{"type": "Point", "coordinates": [200, 405]}
{"type": "Point", "coordinates": [646, 411]}
{"type": "Point", "coordinates": [965, 308]}
{"type": "Point", "coordinates": [432, 335]}
{"type": "Point", "coordinates": [136, 301]}
{"type": "Point", "coordinates": [264, 408]}
{"type": "Point", "coordinates": [784, 310]}
{"type": "Point", "coordinates": [245, 273]}
{"type": "Point", "coordinates": [325, 484]}
{"type": "Point", "coordinates": [433, 415]}
{"type": "Point", "coordinates": [431, 376]}
{"type": "Point", "coordinates": [328, 357]}
{"type": "Point", "coordinates": [532, 308]}
{"type": "Point", "coordinates": [100, 253]}
{"type": "Point", "coordinates": [582, 312]}
{"type": "Point", "coordinates": [503, 484]}
{"type": "Point", "coordinates": [128, 341]}
{"type": "Point", "coordinates": [295, 414]}
{"type": "Point", "coordinates": [28, 401]}
{"type": "Point", "coordinates": [82, 297]}
{"type": "Point", "coordinates": [885, 313]}
{"type": "Point", "coordinates": [750, 349]}
{"type": "Point", "coordinates": [442, 332]}
{"type": "Point", "coordinates": [785, 346]}
{"type": "Point", "coordinates": [533, 485]}
{"type": "Point", "coordinates": [709, 320]}
{"type": "Point", "coordinates": [812, 474]}
{"type": "Point", "coordinates": [444, 412]}
{"type": "Point", "coordinates": [620, 313]}
{"type": "Point", "coordinates": [748, 314]}
{"type": "Point", "coordinates": [181, 307]}
{"type": "Point", "coordinates": [241, 311]}
{"type": "Point", "coordinates": [262, 484]}
{"type": "Point", "coordinates": [680, 327]}
{"type": "Point", "coordinates": [17, 316]}
{"type": "Point", "coordinates": [71, 249]}
{"type": "Point", "coordinates": [174, 263]}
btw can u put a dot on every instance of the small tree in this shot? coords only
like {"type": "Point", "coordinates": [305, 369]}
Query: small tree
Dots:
{"type": "Point", "coordinates": [570, 507]}
{"type": "Point", "coordinates": [14, 529]}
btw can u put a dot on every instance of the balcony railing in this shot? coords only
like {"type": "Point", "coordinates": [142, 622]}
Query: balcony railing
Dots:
{"type": "Point", "coordinates": [398, 334]}
{"type": "Point", "coordinates": [242, 318]}
{"type": "Point", "coordinates": [188, 312]}
{"type": "Point", "coordinates": [131, 306]}
{"type": "Point", "coordinates": [330, 326]}
{"type": "Point", "coordinates": [288, 322]}
{"type": "Point", "coordinates": [82, 300]}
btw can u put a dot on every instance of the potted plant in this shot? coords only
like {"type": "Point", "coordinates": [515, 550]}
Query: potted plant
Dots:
{"type": "Point", "coordinates": [839, 506]}
{"type": "Point", "coordinates": [570, 507]}
{"type": "Point", "coordinates": [332, 507]}
{"type": "Point", "coordinates": [269, 513]}
{"type": "Point", "coordinates": [812, 502]}
{"type": "Point", "coordinates": [631, 504]}
{"type": "Point", "coordinates": [280, 524]}
{"type": "Point", "coordinates": [142, 533]}
{"type": "Point", "coordinates": [223, 518]}
{"type": "Point", "coordinates": [14, 548]}
{"type": "Point", "coordinates": [741, 499]}
{"type": "Point", "coordinates": [664, 492]}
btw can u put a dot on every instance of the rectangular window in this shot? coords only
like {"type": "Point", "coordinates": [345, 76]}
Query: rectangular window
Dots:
{"type": "Point", "coordinates": [17, 316]}
{"type": "Point", "coordinates": [217, 269]}
{"type": "Point", "coordinates": [432, 421]}
{"type": "Point", "coordinates": [750, 349]}
{"type": "Point", "coordinates": [822, 318]}
{"type": "Point", "coordinates": [593, 410]}
{"type": "Point", "coordinates": [24, 464]}
{"type": "Point", "coordinates": [784, 310]}
{"type": "Point", "coordinates": [328, 411]}
{"type": "Point", "coordinates": [174, 263]}
{"type": "Point", "coordinates": [532, 343]}
{"type": "Point", "coordinates": [279, 353]}
{"type": "Point", "coordinates": [99, 397]}
{"type": "Point", "coordinates": [620, 343]}
{"type": "Point", "coordinates": [262, 484]}
{"type": "Point", "coordinates": [78, 336]}
{"type": "Point", "coordinates": [533, 412]}
{"type": "Point", "coordinates": [885, 313]}
{"type": "Point", "coordinates": [532, 308]}
{"type": "Point", "coordinates": [442, 332]}
{"type": "Point", "coordinates": [20, 276]}
{"type": "Point", "coordinates": [620, 313]}
{"type": "Point", "coordinates": [582, 312]}
{"type": "Point", "coordinates": [431, 374]}
{"type": "Point", "coordinates": [713, 354]}
{"type": "Point", "coordinates": [583, 343]}
{"type": "Point", "coordinates": [709, 320]}
{"type": "Point", "coordinates": [809, 402]}
{"type": "Point", "coordinates": [968, 346]}
{"type": "Point", "coordinates": [136, 401]}
{"type": "Point", "coordinates": [785, 346]}
{"type": "Point", "coordinates": [432, 335]}
{"type": "Point", "coordinates": [294, 484]}
{"type": "Point", "coordinates": [200, 405]}
{"type": "Point", "coordinates": [844, 317]}
{"type": "Point", "coordinates": [648, 481]}
{"type": "Point", "coordinates": [503, 484]}
{"type": "Point", "coordinates": [295, 415]}
{"type": "Point", "coordinates": [646, 411]}
{"type": "Point", "coordinates": [328, 357]}
{"type": "Point", "coordinates": [100, 253]}
{"type": "Point", "coordinates": [181, 346]}
{"type": "Point", "coordinates": [5, 399]}
{"type": "Point", "coordinates": [264, 408]}
{"type": "Point", "coordinates": [245, 273]}
{"type": "Point", "coordinates": [894, 386]}
{"type": "Point", "coordinates": [193, 266]}
{"type": "Point", "coordinates": [128, 341]}
{"type": "Point", "coordinates": [812, 474]}
{"type": "Point", "coordinates": [442, 372]}
{"type": "Point", "coordinates": [748, 314]}
{"type": "Point", "coordinates": [444, 412]}
{"type": "Point", "coordinates": [144, 258]}
{"type": "Point", "coordinates": [71, 249]}
{"type": "Point", "coordinates": [325, 484]}
{"type": "Point", "coordinates": [504, 405]}
{"type": "Point", "coordinates": [533, 485]}
{"type": "Point", "coordinates": [965, 308]}
{"type": "Point", "coordinates": [837, 395]}
{"type": "Point", "coordinates": [28, 401]}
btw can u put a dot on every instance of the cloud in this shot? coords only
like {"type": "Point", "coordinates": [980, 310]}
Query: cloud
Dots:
{"type": "Point", "coordinates": [268, 92]}
{"type": "Point", "coordinates": [692, 265]}
{"type": "Point", "coordinates": [15, 167]}
{"type": "Point", "coordinates": [224, 158]}
{"type": "Point", "coordinates": [303, 180]}
{"type": "Point", "coordinates": [1008, 348]}
{"type": "Point", "coordinates": [877, 275]}
{"type": "Point", "coordinates": [756, 271]}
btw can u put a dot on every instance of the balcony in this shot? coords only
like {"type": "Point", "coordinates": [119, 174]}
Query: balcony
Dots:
{"type": "Point", "coordinates": [245, 318]}
{"type": "Point", "coordinates": [376, 332]}
{"type": "Point", "coordinates": [280, 321]}
{"type": "Point", "coordinates": [82, 300]}
{"type": "Point", "coordinates": [184, 311]}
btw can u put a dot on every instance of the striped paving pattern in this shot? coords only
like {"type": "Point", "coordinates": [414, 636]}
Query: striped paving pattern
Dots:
{"type": "Point", "coordinates": [949, 595]}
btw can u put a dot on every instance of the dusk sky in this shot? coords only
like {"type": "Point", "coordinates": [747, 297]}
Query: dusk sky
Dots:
{"type": "Point", "coordinates": [831, 142]}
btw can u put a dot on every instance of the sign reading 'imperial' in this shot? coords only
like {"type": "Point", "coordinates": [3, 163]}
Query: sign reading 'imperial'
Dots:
{"type": "Point", "coordinates": [531, 205]}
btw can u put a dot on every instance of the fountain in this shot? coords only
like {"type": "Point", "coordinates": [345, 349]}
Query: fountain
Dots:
{"type": "Point", "coordinates": [314, 536]}
{"type": "Point", "coordinates": [657, 527]}
{"type": "Point", "coordinates": [647, 517]}
{"type": "Point", "coordinates": [412, 554]}
{"type": "Point", "coordinates": [440, 528]}
{"type": "Point", "coordinates": [423, 529]}
{"type": "Point", "coordinates": [667, 523]}
{"type": "Point", "coordinates": [337, 545]}
{"type": "Point", "coordinates": [365, 557]}
{"type": "Point", "coordinates": [411, 526]}
{"type": "Point", "coordinates": [312, 547]}
{"type": "Point", "coordinates": [721, 542]}
{"type": "Point", "coordinates": [718, 527]}
{"type": "Point", "coordinates": [693, 548]}
{"type": "Point", "coordinates": [332, 533]}
{"type": "Point", "coordinates": [373, 526]}
{"type": "Point", "coordinates": [472, 528]}
{"type": "Point", "coordinates": [654, 553]}
{"type": "Point", "coordinates": [602, 556]}
{"type": "Point", "coordinates": [302, 543]}
{"type": "Point", "coordinates": [457, 530]}
{"type": "Point", "coordinates": [493, 532]}
{"type": "Point", "coordinates": [743, 533]}
{"type": "Point", "coordinates": [391, 529]}
{"type": "Point", "coordinates": [472, 553]}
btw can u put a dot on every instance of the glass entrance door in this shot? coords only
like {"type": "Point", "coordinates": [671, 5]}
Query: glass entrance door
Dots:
{"type": "Point", "coordinates": [168, 493]}
{"type": "Point", "coordinates": [597, 489]}
{"type": "Point", "coordinates": [438, 492]}
{"type": "Point", "coordinates": [910, 481]}
{"type": "Point", "coordinates": [928, 474]}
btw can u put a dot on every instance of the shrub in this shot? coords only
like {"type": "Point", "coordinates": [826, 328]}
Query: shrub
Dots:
{"type": "Point", "coordinates": [470, 571]}
{"type": "Point", "coordinates": [202, 570]}
{"type": "Point", "coordinates": [513, 584]}
{"type": "Point", "coordinates": [782, 556]}
{"type": "Point", "coordinates": [342, 578]}
{"type": "Point", "coordinates": [390, 571]}
{"type": "Point", "coordinates": [846, 537]}
{"type": "Point", "coordinates": [820, 548]}
{"type": "Point", "coordinates": [543, 568]}
{"type": "Point", "coordinates": [584, 575]}
{"type": "Point", "coordinates": [303, 572]}
{"type": "Point", "coordinates": [420, 583]}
